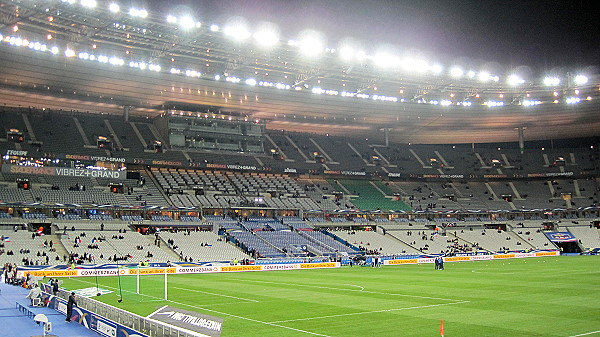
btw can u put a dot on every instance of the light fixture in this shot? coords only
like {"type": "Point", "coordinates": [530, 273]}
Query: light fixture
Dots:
{"type": "Point", "coordinates": [266, 37]}
{"type": "Point", "coordinates": [581, 79]}
{"type": "Point", "coordinates": [515, 80]}
{"type": "Point", "coordinates": [114, 7]}
{"type": "Point", "coordinates": [456, 72]}
{"type": "Point", "coordinates": [551, 81]}
{"type": "Point", "coordinates": [88, 3]}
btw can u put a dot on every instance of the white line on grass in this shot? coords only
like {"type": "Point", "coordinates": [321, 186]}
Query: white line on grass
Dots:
{"type": "Point", "coordinates": [369, 312]}
{"type": "Point", "coordinates": [223, 313]}
{"type": "Point", "coordinates": [206, 292]}
{"type": "Point", "coordinates": [354, 285]}
{"type": "Point", "coordinates": [587, 333]}
{"type": "Point", "coordinates": [346, 289]}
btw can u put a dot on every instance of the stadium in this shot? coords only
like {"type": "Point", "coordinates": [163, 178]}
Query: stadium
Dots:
{"type": "Point", "coordinates": [191, 177]}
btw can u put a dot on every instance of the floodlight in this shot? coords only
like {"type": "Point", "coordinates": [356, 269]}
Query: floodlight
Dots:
{"type": "Point", "coordinates": [115, 61]}
{"type": "Point", "coordinates": [69, 53]}
{"type": "Point", "coordinates": [551, 81]}
{"type": "Point", "coordinates": [347, 53]}
{"type": "Point", "coordinates": [266, 37]}
{"type": "Point", "coordinates": [113, 7]}
{"type": "Point", "coordinates": [214, 28]}
{"type": "Point", "coordinates": [456, 72]}
{"type": "Point", "coordinates": [515, 80]}
{"type": "Point", "coordinates": [484, 76]}
{"type": "Point", "coordinates": [251, 82]}
{"type": "Point", "coordinates": [310, 42]}
{"type": "Point", "coordinates": [311, 46]}
{"type": "Point", "coordinates": [470, 74]}
{"type": "Point", "coordinates": [436, 69]}
{"type": "Point", "coordinates": [142, 13]}
{"type": "Point", "coordinates": [192, 73]}
{"type": "Point", "coordinates": [416, 65]}
{"type": "Point", "coordinates": [88, 3]}
{"type": "Point", "coordinates": [187, 22]}
{"type": "Point", "coordinates": [54, 50]}
{"type": "Point", "coordinates": [361, 55]}
{"type": "Point", "coordinates": [171, 19]}
{"type": "Point", "coordinates": [237, 32]}
{"type": "Point", "coordinates": [581, 79]}
{"type": "Point", "coordinates": [385, 60]}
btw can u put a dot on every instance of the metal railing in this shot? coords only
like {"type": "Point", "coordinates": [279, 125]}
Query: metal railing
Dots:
{"type": "Point", "coordinates": [136, 322]}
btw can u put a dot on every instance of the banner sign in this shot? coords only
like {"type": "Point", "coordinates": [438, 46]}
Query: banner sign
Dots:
{"type": "Point", "coordinates": [189, 320]}
{"type": "Point", "coordinates": [483, 176]}
{"type": "Point", "coordinates": [345, 173]}
{"type": "Point", "coordinates": [233, 167]}
{"type": "Point", "coordinates": [289, 170]}
{"type": "Point", "coordinates": [95, 158]}
{"type": "Point", "coordinates": [64, 171]}
{"type": "Point", "coordinates": [561, 237]}
{"type": "Point", "coordinates": [176, 270]}
{"type": "Point", "coordinates": [472, 258]}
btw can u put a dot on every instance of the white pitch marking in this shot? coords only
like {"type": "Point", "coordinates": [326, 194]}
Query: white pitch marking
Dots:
{"type": "Point", "coordinates": [206, 292]}
{"type": "Point", "coordinates": [354, 285]}
{"type": "Point", "coordinates": [224, 313]}
{"type": "Point", "coordinates": [587, 333]}
{"type": "Point", "coordinates": [344, 289]}
{"type": "Point", "coordinates": [370, 312]}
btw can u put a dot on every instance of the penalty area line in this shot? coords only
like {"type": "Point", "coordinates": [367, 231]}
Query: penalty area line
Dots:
{"type": "Point", "coordinates": [372, 312]}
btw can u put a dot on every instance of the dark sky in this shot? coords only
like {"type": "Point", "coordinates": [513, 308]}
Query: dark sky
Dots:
{"type": "Point", "coordinates": [539, 34]}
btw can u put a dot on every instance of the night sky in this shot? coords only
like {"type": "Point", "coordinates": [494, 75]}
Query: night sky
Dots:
{"type": "Point", "coordinates": [543, 35]}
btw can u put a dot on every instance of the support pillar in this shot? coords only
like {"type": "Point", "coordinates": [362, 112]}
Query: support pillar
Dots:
{"type": "Point", "coordinates": [521, 139]}
{"type": "Point", "coordinates": [126, 112]}
{"type": "Point", "coordinates": [386, 135]}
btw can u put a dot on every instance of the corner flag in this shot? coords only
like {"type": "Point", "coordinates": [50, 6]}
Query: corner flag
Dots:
{"type": "Point", "coordinates": [442, 328]}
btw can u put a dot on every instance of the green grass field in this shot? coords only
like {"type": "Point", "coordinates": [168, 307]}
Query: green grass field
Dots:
{"type": "Point", "coordinates": [551, 296]}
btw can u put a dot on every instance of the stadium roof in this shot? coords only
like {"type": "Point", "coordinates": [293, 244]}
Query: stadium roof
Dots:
{"type": "Point", "coordinates": [64, 54]}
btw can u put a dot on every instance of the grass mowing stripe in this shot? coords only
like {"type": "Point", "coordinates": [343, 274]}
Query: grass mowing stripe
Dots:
{"type": "Point", "coordinates": [226, 314]}
{"type": "Point", "coordinates": [206, 292]}
{"type": "Point", "coordinates": [370, 312]}
{"type": "Point", "coordinates": [355, 290]}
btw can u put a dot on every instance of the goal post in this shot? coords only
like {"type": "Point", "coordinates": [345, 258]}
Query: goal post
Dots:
{"type": "Point", "coordinates": [144, 283]}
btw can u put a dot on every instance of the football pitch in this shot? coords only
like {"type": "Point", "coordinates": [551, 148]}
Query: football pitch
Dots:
{"type": "Point", "coordinates": [548, 296]}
